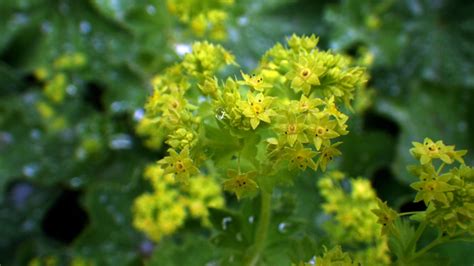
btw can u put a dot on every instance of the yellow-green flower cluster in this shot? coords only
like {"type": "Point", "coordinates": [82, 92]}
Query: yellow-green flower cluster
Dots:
{"type": "Point", "coordinates": [333, 257]}
{"type": "Point", "coordinates": [170, 112]}
{"type": "Point", "coordinates": [203, 17]}
{"type": "Point", "coordinates": [163, 211]}
{"type": "Point", "coordinates": [353, 222]}
{"type": "Point", "coordinates": [56, 80]}
{"type": "Point", "coordinates": [446, 190]}
{"type": "Point", "coordinates": [54, 261]}
{"type": "Point", "coordinates": [292, 103]}
{"type": "Point", "coordinates": [294, 95]}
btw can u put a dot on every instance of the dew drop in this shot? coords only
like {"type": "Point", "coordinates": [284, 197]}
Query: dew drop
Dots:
{"type": "Point", "coordinates": [150, 9]}
{"type": "Point", "coordinates": [20, 19]}
{"type": "Point", "coordinates": [76, 182]}
{"type": "Point", "coordinates": [35, 134]}
{"type": "Point", "coordinates": [117, 107]}
{"type": "Point", "coordinates": [6, 138]}
{"type": "Point", "coordinates": [220, 113]}
{"type": "Point", "coordinates": [146, 248]}
{"type": "Point", "coordinates": [20, 194]}
{"type": "Point", "coordinates": [182, 48]}
{"type": "Point", "coordinates": [282, 227]}
{"type": "Point", "coordinates": [85, 27]}
{"type": "Point", "coordinates": [30, 170]}
{"type": "Point", "coordinates": [71, 89]}
{"type": "Point", "coordinates": [251, 219]}
{"type": "Point", "coordinates": [138, 114]}
{"type": "Point", "coordinates": [225, 222]}
{"type": "Point", "coordinates": [212, 263]}
{"type": "Point", "coordinates": [202, 99]}
{"type": "Point", "coordinates": [46, 27]}
{"type": "Point", "coordinates": [243, 21]}
{"type": "Point", "coordinates": [120, 142]}
{"type": "Point", "coordinates": [103, 198]}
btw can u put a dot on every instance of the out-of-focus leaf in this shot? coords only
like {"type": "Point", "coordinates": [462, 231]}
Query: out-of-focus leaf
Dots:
{"type": "Point", "coordinates": [185, 249]}
{"type": "Point", "coordinates": [427, 111]}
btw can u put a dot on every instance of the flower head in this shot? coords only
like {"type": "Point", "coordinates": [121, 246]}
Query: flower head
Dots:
{"type": "Point", "coordinates": [305, 73]}
{"type": "Point", "coordinates": [257, 108]}
{"type": "Point", "coordinates": [181, 165]}
{"type": "Point", "coordinates": [386, 216]}
{"type": "Point", "coordinates": [327, 154]}
{"type": "Point", "coordinates": [322, 130]}
{"type": "Point", "coordinates": [434, 189]}
{"type": "Point", "coordinates": [300, 157]}
{"type": "Point", "coordinates": [255, 82]}
{"type": "Point", "coordinates": [291, 128]}
{"type": "Point", "coordinates": [242, 184]}
{"type": "Point", "coordinates": [429, 150]}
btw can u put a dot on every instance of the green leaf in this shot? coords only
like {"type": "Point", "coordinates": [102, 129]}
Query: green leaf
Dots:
{"type": "Point", "coordinates": [184, 249]}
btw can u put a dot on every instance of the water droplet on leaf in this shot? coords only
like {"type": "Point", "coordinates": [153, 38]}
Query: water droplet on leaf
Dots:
{"type": "Point", "coordinates": [251, 219]}
{"type": "Point", "coordinates": [182, 48]}
{"type": "Point", "coordinates": [150, 9]}
{"type": "Point", "coordinates": [220, 113]}
{"type": "Point", "coordinates": [30, 170]}
{"type": "Point", "coordinates": [225, 222]}
{"type": "Point", "coordinates": [120, 142]}
{"type": "Point", "coordinates": [282, 227]}
{"type": "Point", "coordinates": [85, 27]}
{"type": "Point", "coordinates": [138, 114]}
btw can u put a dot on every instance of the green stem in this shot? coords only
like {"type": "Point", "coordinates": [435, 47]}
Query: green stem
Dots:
{"type": "Point", "coordinates": [438, 241]}
{"type": "Point", "coordinates": [440, 169]}
{"type": "Point", "coordinates": [412, 245]}
{"type": "Point", "coordinates": [262, 230]}
{"type": "Point", "coordinates": [431, 245]}
{"type": "Point", "coordinates": [409, 213]}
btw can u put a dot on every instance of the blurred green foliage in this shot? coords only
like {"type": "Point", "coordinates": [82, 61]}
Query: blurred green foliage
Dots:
{"type": "Point", "coordinates": [422, 74]}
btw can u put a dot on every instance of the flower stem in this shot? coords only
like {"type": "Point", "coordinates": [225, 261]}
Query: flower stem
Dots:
{"type": "Point", "coordinates": [262, 230]}
{"type": "Point", "coordinates": [440, 168]}
{"type": "Point", "coordinates": [409, 213]}
{"type": "Point", "coordinates": [431, 245]}
{"type": "Point", "coordinates": [412, 244]}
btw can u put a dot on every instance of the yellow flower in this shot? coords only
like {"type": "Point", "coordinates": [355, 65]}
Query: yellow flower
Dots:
{"type": "Point", "coordinates": [327, 154]}
{"type": "Point", "coordinates": [434, 189]}
{"type": "Point", "coordinates": [300, 157]}
{"type": "Point", "coordinates": [181, 165]}
{"type": "Point", "coordinates": [255, 82]}
{"type": "Point", "coordinates": [257, 108]}
{"type": "Point", "coordinates": [335, 257]}
{"type": "Point", "coordinates": [290, 128]}
{"type": "Point", "coordinates": [304, 74]}
{"type": "Point", "coordinates": [241, 184]}
{"type": "Point", "coordinates": [322, 131]}
{"type": "Point", "coordinates": [386, 216]}
{"type": "Point", "coordinates": [436, 150]}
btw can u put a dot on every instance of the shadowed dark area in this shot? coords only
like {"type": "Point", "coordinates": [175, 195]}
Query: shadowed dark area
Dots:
{"type": "Point", "coordinates": [66, 219]}
{"type": "Point", "coordinates": [93, 95]}
{"type": "Point", "coordinates": [377, 122]}
{"type": "Point", "coordinates": [411, 206]}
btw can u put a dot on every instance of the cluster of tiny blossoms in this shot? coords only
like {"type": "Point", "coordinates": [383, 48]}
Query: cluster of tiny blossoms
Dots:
{"type": "Point", "coordinates": [56, 79]}
{"type": "Point", "coordinates": [165, 210]}
{"type": "Point", "coordinates": [447, 191]}
{"type": "Point", "coordinates": [54, 261]}
{"type": "Point", "coordinates": [204, 17]}
{"type": "Point", "coordinates": [290, 107]}
{"type": "Point", "coordinates": [332, 257]}
{"type": "Point", "coordinates": [352, 222]}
